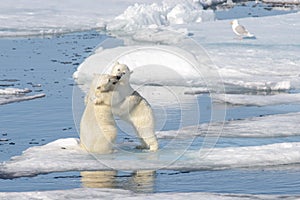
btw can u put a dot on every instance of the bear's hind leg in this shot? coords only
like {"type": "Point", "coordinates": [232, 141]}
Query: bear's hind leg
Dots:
{"type": "Point", "coordinates": [148, 138]}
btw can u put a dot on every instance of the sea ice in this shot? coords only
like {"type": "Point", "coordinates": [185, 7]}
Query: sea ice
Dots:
{"type": "Point", "coordinates": [164, 14]}
{"type": "Point", "coordinates": [66, 155]}
{"type": "Point", "coordinates": [11, 95]}
{"type": "Point", "coordinates": [258, 100]}
{"type": "Point", "coordinates": [11, 91]}
{"type": "Point", "coordinates": [13, 98]}
{"type": "Point", "coordinates": [106, 193]}
{"type": "Point", "coordinates": [255, 127]}
{"type": "Point", "coordinates": [25, 18]}
{"type": "Point", "coordinates": [269, 63]}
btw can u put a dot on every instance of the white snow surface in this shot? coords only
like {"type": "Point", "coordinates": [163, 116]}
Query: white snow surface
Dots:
{"type": "Point", "coordinates": [104, 193]}
{"type": "Point", "coordinates": [159, 14]}
{"type": "Point", "coordinates": [167, 65]}
{"type": "Point", "coordinates": [256, 127]}
{"type": "Point", "coordinates": [26, 17]}
{"type": "Point", "coordinates": [297, 2]}
{"type": "Point", "coordinates": [258, 100]}
{"type": "Point", "coordinates": [67, 155]}
{"type": "Point", "coordinates": [268, 63]}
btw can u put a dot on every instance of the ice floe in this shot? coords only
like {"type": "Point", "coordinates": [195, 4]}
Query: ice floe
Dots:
{"type": "Point", "coordinates": [11, 95]}
{"type": "Point", "coordinates": [66, 155]}
{"type": "Point", "coordinates": [256, 127]}
{"type": "Point", "coordinates": [10, 91]}
{"type": "Point", "coordinates": [106, 193]}
{"type": "Point", "coordinates": [259, 100]}
{"type": "Point", "coordinates": [25, 18]}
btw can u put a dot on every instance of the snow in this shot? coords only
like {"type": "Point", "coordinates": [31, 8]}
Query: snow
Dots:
{"type": "Point", "coordinates": [140, 57]}
{"type": "Point", "coordinates": [67, 155]}
{"type": "Point", "coordinates": [23, 17]}
{"type": "Point", "coordinates": [269, 63]}
{"type": "Point", "coordinates": [163, 14]}
{"type": "Point", "coordinates": [151, 63]}
{"type": "Point", "coordinates": [209, 3]}
{"type": "Point", "coordinates": [103, 193]}
{"type": "Point", "coordinates": [282, 1]}
{"type": "Point", "coordinates": [259, 100]}
{"type": "Point", "coordinates": [255, 127]}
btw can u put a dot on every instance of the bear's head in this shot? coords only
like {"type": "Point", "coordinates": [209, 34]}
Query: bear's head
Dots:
{"type": "Point", "coordinates": [121, 71]}
{"type": "Point", "coordinates": [105, 83]}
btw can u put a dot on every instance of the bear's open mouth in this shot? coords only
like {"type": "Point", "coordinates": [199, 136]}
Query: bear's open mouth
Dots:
{"type": "Point", "coordinates": [120, 75]}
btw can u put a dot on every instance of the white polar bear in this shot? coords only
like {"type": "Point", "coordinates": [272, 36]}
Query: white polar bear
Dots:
{"type": "Point", "coordinates": [131, 107]}
{"type": "Point", "coordinates": [97, 127]}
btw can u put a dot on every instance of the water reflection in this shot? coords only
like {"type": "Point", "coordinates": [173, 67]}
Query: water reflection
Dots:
{"type": "Point", "coordinates": [98, 179]}
{"type": "Point", "coordinates": [137, 181]}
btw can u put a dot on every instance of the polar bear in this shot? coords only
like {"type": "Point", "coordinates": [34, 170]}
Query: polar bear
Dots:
{"type": "Point", "coordinates": [97, 127]}
{"type": "Point", "coordinates": [131, 107]}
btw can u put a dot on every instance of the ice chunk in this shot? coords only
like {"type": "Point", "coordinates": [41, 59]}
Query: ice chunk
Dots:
{"type": "Point", "coordinates": [107, 193]}
{"type": "Point", "coordinates": [280, 125]}
{"type": "Point", "coordinates": [11, 91]}
{"type": "Point", "coordinates": [13, 99]}
{"type": "Point", "coordinates": [140, 16]}
{"type": "Point", "coordinates": [258, 100]}
{"type": "Point", "coordinates": [66, 155]}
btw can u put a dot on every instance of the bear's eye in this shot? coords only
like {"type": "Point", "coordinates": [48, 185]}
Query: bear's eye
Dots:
{"type": "Point", "coordinates": [119, 70]}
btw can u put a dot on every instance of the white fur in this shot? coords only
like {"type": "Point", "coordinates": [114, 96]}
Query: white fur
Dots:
{"type": "Point", "coordinates": [97, 127]}
{"type": "Point", "coordinates": [131, 107]}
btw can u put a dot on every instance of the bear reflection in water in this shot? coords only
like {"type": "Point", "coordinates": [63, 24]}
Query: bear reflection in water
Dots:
{"type": "Point", "coordinates": [139, 181]}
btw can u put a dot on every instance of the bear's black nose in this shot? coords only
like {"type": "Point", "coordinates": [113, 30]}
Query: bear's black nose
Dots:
{"type": "Point", "coordinates": [118, 77]}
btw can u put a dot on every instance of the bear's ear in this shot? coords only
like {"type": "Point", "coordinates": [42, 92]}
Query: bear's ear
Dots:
{"type": "Point", "coordinates": [131, 72]}
{"type": "Point", "coordinates": [117, 63]}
